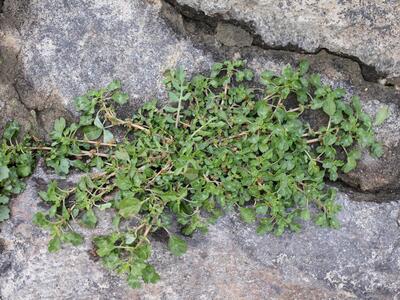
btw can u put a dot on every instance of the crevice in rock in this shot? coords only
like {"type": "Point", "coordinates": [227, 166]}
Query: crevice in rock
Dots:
{"type": "Point", "coordinates": [210, 23]}
{"type": "Point", "coordinates": [356, 194]}
{"type": "Point", "coordinates": [202, 30]}
{"type": "Point", "coordinates": [1, 6]}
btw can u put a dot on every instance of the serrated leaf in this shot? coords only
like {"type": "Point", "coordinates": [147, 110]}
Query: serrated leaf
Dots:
{"type": "Point", "coordinates": [304, 66]}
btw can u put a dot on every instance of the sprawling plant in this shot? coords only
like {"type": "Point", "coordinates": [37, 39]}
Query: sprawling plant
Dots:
{"type": "Point", "coordinates": [223, 142]}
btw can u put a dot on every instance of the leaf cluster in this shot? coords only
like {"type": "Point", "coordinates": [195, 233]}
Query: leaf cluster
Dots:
{"type": "Point", "coordinates": [16, 163]}
{"type": "Point", "coordinates": [221, 143]}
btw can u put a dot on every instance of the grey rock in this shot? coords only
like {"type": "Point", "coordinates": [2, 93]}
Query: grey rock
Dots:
{"type": "Point", "coordinates": [11, 106]}
{"type": "Point", "coordinates": [367, 30]}
{"type": "Point", "coordinates": [231, 35]}
{"type": "Point", "coordinates": [65, 49]}
{"type": "Point", "coordinates": [60, 49]}
{"type": "Point", "coordinates": [69, 47]}
{"type": "Point", "coordinates": [359, 260]}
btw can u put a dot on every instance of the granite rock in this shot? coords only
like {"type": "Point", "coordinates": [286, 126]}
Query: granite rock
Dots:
{"type": "Point", "coordinates": [367, 30]}
{"type": "Point", "coordinates": [56, 50]}
{"type": "Point", "coordinates": [361, 260]}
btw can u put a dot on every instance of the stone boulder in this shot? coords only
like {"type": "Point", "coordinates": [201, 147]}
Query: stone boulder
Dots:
{"type": "Point", "coordinates": [54, 50]}
{"type": "Point", "coordinates": [361, 260]}
{"type": "Point", "coordinates": [367, 31]}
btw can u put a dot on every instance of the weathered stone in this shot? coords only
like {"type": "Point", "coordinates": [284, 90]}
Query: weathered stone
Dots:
{"type": "Point", "coordinates": [73, 46]}
{"type": "Point", "coordinates": [68, 47]}
{"type": "Point", "coordinates": [11, 106]}
{"type": "Point", "coordinates": [231, 35]}
{"type": "Point", "coordinates": [372, 175]}
{"type": "Point", "coordinates": [360, 260]}
{"type": "Point", "coordinates": [367, 30]}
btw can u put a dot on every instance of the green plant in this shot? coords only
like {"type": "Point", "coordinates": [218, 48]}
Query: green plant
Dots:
{"type": "Point", "coordinates": [16, 163]}
{"type": "Point", "coordinates": [221, 143]}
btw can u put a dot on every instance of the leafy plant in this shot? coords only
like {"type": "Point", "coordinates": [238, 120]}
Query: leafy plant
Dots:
{"type": "Point", "coordinates": [221, 143]}
{"type": "Point", "coordinates": [16, 163]}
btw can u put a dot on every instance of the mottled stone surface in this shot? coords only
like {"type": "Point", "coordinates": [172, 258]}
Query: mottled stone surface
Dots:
{"type": "Point", "coordinates": [10, 46]}
{"type": "Point", "coordinates": [56, 50]}
{"type": "Point", "coordinates": [368, 30]}
{"type": "Point", "coordinates": [360, 260]}
{"type": "Point", "coordinates": [62, 49]}
{"type": "Point", "coordinates": [77, 45]}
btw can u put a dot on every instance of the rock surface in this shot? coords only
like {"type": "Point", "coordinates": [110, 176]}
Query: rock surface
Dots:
{"type": "Point", "coordinates": [366, 30]}
{"type": "Point", "coordinates": [11, 106]}
{"type": "Point", "coordinates": [55, 50]}
{"type": "Point", "coordinates": [70, 47]}
{"type": "Point", "coordinates": [360, 260]}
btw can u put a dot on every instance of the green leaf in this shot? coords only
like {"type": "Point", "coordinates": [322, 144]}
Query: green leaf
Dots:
{"type": "Point", "coordinates": [304, 66]}
{"type": "Point", "coordinates": [4, 213]}
{"type": "Point", "coordinates": [4, 199]}
{"type": "Point", "coordinates": [40, 219]}
{"type": "Point", "coordinates": [11, 130]}
{"type": "Point", "coordinates": [63, 166]}
{"type": "Point", "coordinates": [92, 132]}
{"type": "Point", "coordinates": [83, 104]}
{"type": "Point", "coordinates": [114, 85]}
{"type": "Point", "coordinates": [98, 123]}
{"type": "Point", "coordinates": [54, 244]}
{"type": "Point", "coordinates": [120, 98]}
{"type": "Point", "coordinates": [59, 125]}
{"type": "Point", "coordinates": [24, 170]}
{"type": "Point", "coordinates": [263, 109]}
{"type": "Point", "coordinates": [108, 137]}
{"type": "Point", "coordinates": [381, 115]}
{"type": "Point", "coordinates": [247, 214]}
{"type": "Point", "coordinates": [74, 238]}
{"type": "Point", "coordinates": [176, 245]}
{"type": "Point", "coordinates": [122, 154]}
{"type": "Point", "coordinates": [355, 101]}
{"type": "Point", "coordinates": [350, 165]}
{"type": "Point", "coordinates": [89, 219]}
{"type": "Point", "coordinates": [150, 275]}
{"type": "Point", "coordinates": [4, 173]}
{"type": "Point", "coordinates": [129, 207]}
{"type": "Point", "coordinates": [377, 149]}
{"type": "Point", "coordinates": [305, 215]}
{"type": "Point", "coordinates": [329, 107]}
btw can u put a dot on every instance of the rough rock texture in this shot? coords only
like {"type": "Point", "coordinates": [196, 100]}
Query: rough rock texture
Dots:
{"type": "Point", "coordinates": [367, 30]}
{"type": "Point", "coordinates": [11, 105]}
{"type": "Point", "coordinates": [55, 50]}
{"type": "Point", "coordinates": [70, 47]}
{"type": "Point", "coordinates": [65, 48]}
{"type": "Point", "coordinates": [372, 175]}
{"type": "Point", "coordinates": [361, 260]}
